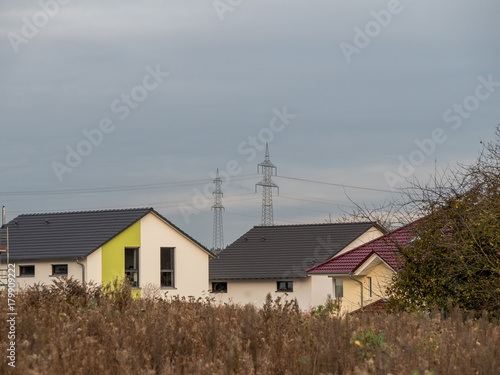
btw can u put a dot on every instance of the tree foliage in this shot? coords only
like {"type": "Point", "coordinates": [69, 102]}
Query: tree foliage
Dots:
{"type": "Point", "coordinates": [455, 253]}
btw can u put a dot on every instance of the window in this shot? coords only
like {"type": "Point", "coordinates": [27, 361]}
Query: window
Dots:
{"type": "Point", "coordinates": [132, 265]}
{"type": "Point", "coordinates": [26, 271]}
{"type": "Point", "coordinates": [284, 286]}
{"type": "Point", "coordinates": [219, 287]}
{"type": "Point", "coordinates": [59, 270]}
{"type": "Point", "coordinates": [369, 287]}
{"type": "Point", "coordinates": [167, 267]}
{"type": "Point", "coordinates": [339, 287]}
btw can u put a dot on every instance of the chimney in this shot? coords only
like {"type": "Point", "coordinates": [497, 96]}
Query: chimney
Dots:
{"type": "Point", "coordinates": [3, 216]}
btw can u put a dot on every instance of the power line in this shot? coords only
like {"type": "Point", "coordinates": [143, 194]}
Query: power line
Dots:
{"type": "Point", "coordinates": [173, 184]}
{"type": "Point", "coordinates": [115, 189]}
{"type": "Point", "coordinates": [162, 204]}
{"type": "Point", "coordinates": [318, 201]}
{"type": "Point", "coordinates": [338, 185]}
{"type": "Point", "coordinates": [255, 217]}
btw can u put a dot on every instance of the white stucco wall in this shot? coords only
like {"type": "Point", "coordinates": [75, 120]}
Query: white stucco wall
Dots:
{"type": "Point", "coordinates": [93, 267]}
{"type": "Point", "coordinates": [254, 292]}
{"type": "Point", "coordinates": [369, 235]}
{"type": "Point", "coordinates": [191, 262]}
{"type": "Point", "coordinates": [43, 272]}
{"type": "Point", "coordinates": [322, 287]}
{"type": "Point", "coordinates": [309, 292]}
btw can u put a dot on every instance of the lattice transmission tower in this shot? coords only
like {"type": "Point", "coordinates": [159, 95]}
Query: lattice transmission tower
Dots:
{"type": "Point", "coordinates": [218, 239]}
{"type": "Point", "coordinates": [268, 169]}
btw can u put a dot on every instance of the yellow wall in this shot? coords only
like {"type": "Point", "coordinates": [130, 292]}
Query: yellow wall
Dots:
{"type": "Point", "coordinates": [381, 277]}
{"type": "Point", "coordinates": [113, 253]}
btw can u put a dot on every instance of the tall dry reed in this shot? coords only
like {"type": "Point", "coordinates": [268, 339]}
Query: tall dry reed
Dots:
{"type": "Point", "coordinates": [70, 329]}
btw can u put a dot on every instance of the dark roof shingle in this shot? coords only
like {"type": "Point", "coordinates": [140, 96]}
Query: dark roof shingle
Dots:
{"type": "Point", "coordinates": [70, 234]}
{"type": "Point", "coordinates": [284, 251]}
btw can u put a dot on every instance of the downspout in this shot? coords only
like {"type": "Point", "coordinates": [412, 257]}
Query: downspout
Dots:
{"type": "Point", "coordinates": [360, 285]}
{"type": "Point", "coordinates": [83, 270]}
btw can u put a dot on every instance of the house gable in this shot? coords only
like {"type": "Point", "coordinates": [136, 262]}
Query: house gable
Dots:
{"type": "Point", "coordinates": [374, 232]}
{"type": "Point", "coordinates": [369, 264]}
{"type": "Point", "coordinates": [183, 234]}
{"type": "Point", "coordinates": [190, 259]}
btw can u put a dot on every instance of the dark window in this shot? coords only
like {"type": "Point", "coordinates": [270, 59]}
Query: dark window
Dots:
{"type": "Point", "coordinates": [60, 269]}
{"type": "Point", "coordinates": [339, 288]}
{"type": "Point", "coordinates": [132, 265]}
{"type": "Point", "coordinates": [26, 270]}
{"type": "Point", "coordinates": [167, 267]}
{"type": "Point", "coordinates": [219, 287]}
{"type": "Point", "coordinates": [369, 287]}
{"type": "Point", "coordinates": [284, 286]}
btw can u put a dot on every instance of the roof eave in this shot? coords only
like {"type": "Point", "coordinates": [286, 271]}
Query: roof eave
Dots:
{"type": "Point", "coordinates": [367, 261]}
{"type": "Point", "coordinates": [329, 273]}
{"type": "Point", "coordinates": [118, 233]}
{"type": "Point", "coordinates": [277, 277]}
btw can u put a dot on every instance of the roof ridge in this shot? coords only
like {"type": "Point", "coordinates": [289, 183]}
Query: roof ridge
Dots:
{"type": "Point", "coordinates": [87, 211]}
{"type": "Point", "coordinates": [314, 224]}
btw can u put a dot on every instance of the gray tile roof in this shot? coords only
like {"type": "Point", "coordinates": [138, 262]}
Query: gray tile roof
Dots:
{"type": "Point", "coordinates": [70, 234]}
{"type": "Point", "coordinates": [284, 251]}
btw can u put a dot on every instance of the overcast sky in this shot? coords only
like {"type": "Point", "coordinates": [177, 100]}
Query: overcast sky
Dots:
{"type": "Point", "coordinates": [136, 103]}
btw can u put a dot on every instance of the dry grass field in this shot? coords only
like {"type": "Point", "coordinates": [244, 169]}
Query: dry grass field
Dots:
{"type": "Point", "coordinates": [68, 329]}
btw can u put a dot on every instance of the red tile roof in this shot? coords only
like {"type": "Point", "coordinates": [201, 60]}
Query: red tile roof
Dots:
{"type": "Point", "coordinates": [373, 308]}
{"type": "Point", "coordinates": [386, 247]}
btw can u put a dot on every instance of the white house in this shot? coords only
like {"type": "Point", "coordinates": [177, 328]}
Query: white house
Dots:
{"type": "Point", "coordinates": [102, 246]}
{"type": "Point", "coordinates": [274, 259]}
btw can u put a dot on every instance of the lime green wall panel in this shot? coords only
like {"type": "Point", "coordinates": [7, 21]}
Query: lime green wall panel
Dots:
{"type": "Point", "coordinates": [113, 253]}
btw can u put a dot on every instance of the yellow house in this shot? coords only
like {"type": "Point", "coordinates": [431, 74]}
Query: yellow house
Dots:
{"type": "Point", "coordinates": [361, 276]}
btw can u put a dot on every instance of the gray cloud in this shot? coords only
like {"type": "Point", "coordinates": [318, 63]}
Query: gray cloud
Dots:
{"type": "Point", "coordinates": [353, 120]}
